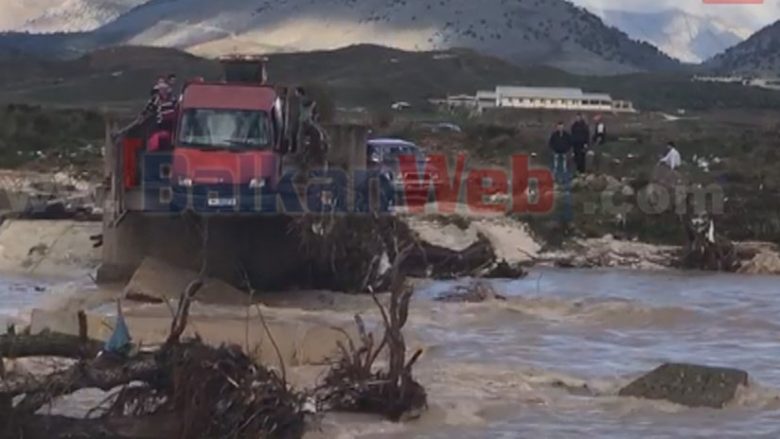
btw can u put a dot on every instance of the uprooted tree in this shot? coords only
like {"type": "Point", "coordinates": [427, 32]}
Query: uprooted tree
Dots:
{"type": "Point", "coordinates": [369, 253]}
{"type": "Point", "coordinates": [704, 248]}
{"type": "Point", "coordinates": [213, 392]}
{"type": "Point", "coordinates": [355, 253]}
{"type": "Point", "coordinates": [203, 391]}
{"type": "Point", "coordinates": [355, 384]}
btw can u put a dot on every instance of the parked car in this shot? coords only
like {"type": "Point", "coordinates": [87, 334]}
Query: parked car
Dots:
{"type": "Point", "coordinates": [400, 106]}
{"type": "Point", "coordinates": [404, 186]}
{"type": "Point", "coordinates": [443, 127]}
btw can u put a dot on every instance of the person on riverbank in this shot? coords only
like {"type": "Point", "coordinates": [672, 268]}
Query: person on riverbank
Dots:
{"type": "Point", "coordinates": [560, 144]}
{"type": "Point", "coordinates": [598, 140]}
{"type": "Point", "coordinates": [599, 132]}
{"type": "Point", "coordinates": [580, 137]}
{"type": "Point", "coordinates": [672, 159]}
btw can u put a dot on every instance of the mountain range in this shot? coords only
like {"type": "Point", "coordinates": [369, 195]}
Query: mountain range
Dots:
{"type": "Point", "coordinates": [758, 55]}
{"type": "Point", "coordinates": [42, 16]}
{"type": "Point", "coordinates": [687, 37]}
{"type": "Point", "coordinates": [540, 32]}
{"type": "Point", "coordinates": [550, 32]}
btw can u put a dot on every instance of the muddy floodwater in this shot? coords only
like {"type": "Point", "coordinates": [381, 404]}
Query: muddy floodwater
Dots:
{"type": "Point", "coordinates": [548, 361]}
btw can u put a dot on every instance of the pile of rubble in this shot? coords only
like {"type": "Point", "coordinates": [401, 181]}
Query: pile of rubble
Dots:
{"type": "Point", "coordinates": [48, 196]}
{"type": "Point", "coordinates": [608, 251]}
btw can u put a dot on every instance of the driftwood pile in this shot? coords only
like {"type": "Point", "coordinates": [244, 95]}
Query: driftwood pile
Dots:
{"type": "Point", "coordinates": [705, 248]}
{"type": "Point", "coordinates": [354, 383]}
{"type": "Point", "coordinates": [351, 253]}
{"type": "Point", "coordinates": [205, 391]}
{"type": "Point", "coordinates": [355, 253]}
{"type": "Point", "coordinates": [708, 251]}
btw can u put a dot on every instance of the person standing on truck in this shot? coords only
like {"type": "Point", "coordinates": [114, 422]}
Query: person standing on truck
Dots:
{"type": "Point", "coordinates": [162, 108]}
{"type": "Point", "coordinates": [171, 82]}
{"type": "Point", "coordinates": [308, 107]}
{"type": "Point", "coordinates": [560, 144]}
{"type": "Point", "coordinates": [309, 132]}
{"type": "Point", "coordinates": [160, 83]}
{"type": "Point", "coordinates": [166, 108]}
{"type": "Point", "coordinates": [161, 103]}
{"type": "Point", "coordinates": [580, 136]}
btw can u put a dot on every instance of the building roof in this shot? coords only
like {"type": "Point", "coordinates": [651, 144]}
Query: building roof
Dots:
{"type": "Point", "coordinates": [390, 141]}
{"type": "Point", "coordinates": [548, 93]}
{"type": "Point", "coordinates": [597, 96]}
{"type": "Point", "coordinates": [461, 97]}
{"type": "Point", "coordinates": [486, 94]}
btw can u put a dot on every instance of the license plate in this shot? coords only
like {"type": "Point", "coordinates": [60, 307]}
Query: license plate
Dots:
{"type": "Point", "coordinates": [222, 202]}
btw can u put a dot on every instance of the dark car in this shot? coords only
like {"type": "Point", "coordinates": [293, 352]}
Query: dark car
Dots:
{"type": "Point", "coordinates": [412, 187]}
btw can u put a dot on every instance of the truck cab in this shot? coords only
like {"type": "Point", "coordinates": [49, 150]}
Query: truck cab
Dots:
{"type": "Point", "coordinates": [227, 146]}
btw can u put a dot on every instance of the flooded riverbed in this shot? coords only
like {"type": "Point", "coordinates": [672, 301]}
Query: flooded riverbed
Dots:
{"type": "Point", "coordinates": [549, 360]}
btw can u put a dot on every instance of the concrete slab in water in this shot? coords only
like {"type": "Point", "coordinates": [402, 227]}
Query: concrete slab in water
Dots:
{"type": "Point", "coordinates": [689, 384]}
{"type": "Point", "coordinates": [159, 280]}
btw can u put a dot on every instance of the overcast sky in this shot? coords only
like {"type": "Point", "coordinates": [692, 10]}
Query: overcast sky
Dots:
{"type": "Point", "coordinates": [752, 17]}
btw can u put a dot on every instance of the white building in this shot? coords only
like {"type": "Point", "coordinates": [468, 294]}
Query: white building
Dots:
{"type": "Point", "coordinates": [486, 99]}
{"type": "Point", "coordinates": [539, 98]}
{"type": "Point", "coordinates": [551, 98]}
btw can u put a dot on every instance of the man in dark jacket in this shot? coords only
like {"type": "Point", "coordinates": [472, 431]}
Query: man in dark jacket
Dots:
{"type": "Point", "coordinates": [580, 136]}
{"type": "Point", "coordinates": [560, 144]}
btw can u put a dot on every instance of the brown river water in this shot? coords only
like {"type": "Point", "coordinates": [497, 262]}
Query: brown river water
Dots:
{"type": "Point", "coordinates": [548, 362]}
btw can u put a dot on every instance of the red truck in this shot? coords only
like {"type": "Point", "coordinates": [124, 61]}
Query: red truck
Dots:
{"type": "Point", "coordinates": [233, 143]}
{"type": "Point", "coordinates": [226, 151]}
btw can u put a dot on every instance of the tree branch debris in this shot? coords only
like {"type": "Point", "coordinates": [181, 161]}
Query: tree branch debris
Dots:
{"type": "Point", "coordinates": [187, 389]}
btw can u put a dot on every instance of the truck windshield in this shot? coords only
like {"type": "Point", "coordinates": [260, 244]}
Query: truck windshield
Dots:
{"type": "Point", "coordinates": [390, 153]}
{"type": "Point", "coordinates": [225, 129]}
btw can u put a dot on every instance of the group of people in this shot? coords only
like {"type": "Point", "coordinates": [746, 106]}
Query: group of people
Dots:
{"type": "Point", "coordinates": [578, 139]}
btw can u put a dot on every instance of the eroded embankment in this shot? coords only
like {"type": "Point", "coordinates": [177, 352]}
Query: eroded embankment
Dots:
{"type": "Point", "coordinates": [63, 248]}
{"type": "Point", "coordinates": [48, 248]}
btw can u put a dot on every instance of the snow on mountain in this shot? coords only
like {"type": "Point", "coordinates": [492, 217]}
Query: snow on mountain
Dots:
{"type": "Point", "coordinates": [552, 32]}
{"type": "Point", "coordinates": [44, 16]}
{"type": "Point", "coordinates": [687, 37]}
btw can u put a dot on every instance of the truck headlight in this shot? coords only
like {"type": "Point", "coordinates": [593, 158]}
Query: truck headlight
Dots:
{"type": "Point", "coordinates": [257, 183]}
{"type": "Point", "coordinates": [186, 182]}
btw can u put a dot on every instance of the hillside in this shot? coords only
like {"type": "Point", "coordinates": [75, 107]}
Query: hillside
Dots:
{"type": "Point", "coordinates": [687, 37]}
{"type": "Point", "coordinates": [356, 76]}
{"type": "Point", "coordinates": [758, 55]}
{"type": "Point", "coordinates": [550, 32]}
{"type": "Point", "coordinates": [118, 76]}
{"type": "Point", "coordinates": [43, 16]}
